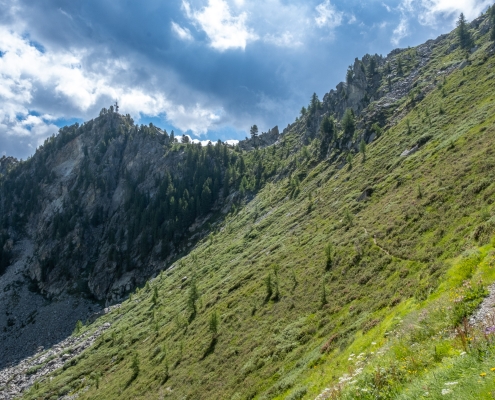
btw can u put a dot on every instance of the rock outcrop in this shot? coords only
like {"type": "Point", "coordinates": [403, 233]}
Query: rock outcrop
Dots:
{"type": "Point", "coordinates": [264, 140]}
{"type": "Point", "coordinates": [98, 202]}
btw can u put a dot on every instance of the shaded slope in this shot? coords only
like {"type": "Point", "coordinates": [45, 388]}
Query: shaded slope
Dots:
{"type": "Point", "coordinates": [108, 204]}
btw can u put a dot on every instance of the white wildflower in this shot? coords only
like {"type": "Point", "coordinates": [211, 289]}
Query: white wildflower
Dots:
{"type": "Point", "coordinates": [446, 391]}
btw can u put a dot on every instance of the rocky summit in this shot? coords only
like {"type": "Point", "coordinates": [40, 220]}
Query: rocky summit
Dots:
{"type": "Point", "coordinates": [350, 255]}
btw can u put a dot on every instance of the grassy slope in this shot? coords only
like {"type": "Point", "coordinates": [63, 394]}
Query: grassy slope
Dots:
{"type": "Point", "coordinates": [390, 253]}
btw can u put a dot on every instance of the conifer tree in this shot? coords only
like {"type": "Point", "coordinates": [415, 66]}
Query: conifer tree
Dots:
{"type": "Point", "coordinates": [362, 148]}
{"type": "Point", "coordinates": [327, 134]}
{"type": "Point", "coordinates": [193, 297]}
{"type": "Point", "coordinates": [349, 75]}
{"type": "Point", "coordinates": [315, 104]}
{"type": "Point", "coordinates": [214, 324]}
{"type": "Point", "coordinates": [253, 132]}
{"type": "Point", "coordinates": [465, 39]}
{"type": "Point", "coordinates": [348, 123]}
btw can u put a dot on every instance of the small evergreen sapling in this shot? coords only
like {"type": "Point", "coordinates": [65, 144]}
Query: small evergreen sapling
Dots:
{"type": "Point", "coordinates": [276, 294]}
{"type": "Point", "coordinates": [214, 324]}
{"type": "Point", "coordinates": [328, 256]}
{"type": "Point", "coordinates": [192, 298]}
{"type": "Point", "coordinates": [349, 161]}
{"type": "Point", "coordinates": [362, 148]}
{"type": "Point", "coordinates": [154, 298]}
{"type": "Point", "coordinates": [268, 287]}
{"type": "Point", "coordinates": [134, 367]}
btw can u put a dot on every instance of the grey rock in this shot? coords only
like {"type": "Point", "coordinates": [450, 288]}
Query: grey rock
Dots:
{"type": "Point", "coordinates": [19, 377]}
{"type": "Point", "coordinates": [463, 64]}
{"type": "Point", "coordinates": [30, 322]}
{"type": "Point", "coordinates": [409, 152]}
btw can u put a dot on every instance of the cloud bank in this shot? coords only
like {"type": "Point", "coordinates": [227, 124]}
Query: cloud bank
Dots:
{"type": "Point", "coordinates": [208, 68]}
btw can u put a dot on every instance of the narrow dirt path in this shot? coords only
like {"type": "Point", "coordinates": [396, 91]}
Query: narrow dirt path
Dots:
{"type": "Point", "coordinates": [377, 245]}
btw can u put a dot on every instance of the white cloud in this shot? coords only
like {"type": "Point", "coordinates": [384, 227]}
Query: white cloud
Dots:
{"type": "Point", "coordinates": [286, 39]}
{"type": "Point", "coordinates": [203, 142]}
{"type": "Point", "coordinates": [387, 7]}
{"type": "Point", "coordinates": [25, 71]}
{"type": "Point", "coordinates": [196, 119]}
{"type": "Point", "coordinates": [65, 13]}
{"type": "Point", "coordinates": [352, 19]}
{"type": "Point", "coordinates": [328, 15]}
{"type": "Point", "coordinates": [224, 30]}
{"type": "Point", "coordinates": [428, 12]}
{"type": "Point", "coordinates": [400, 32]}
{"type": "Point", "coordinates": [180, 32]}
{"type": "Point", "coordinates": [435, 8]}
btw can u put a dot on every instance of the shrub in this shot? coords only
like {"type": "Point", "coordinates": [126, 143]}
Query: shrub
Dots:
{"type": "Point", "coordinates": [78, 327]}
{"type": "Point", "coordinates": [297, 393]}
{"type": "Point", "coordinates": [467, 301]}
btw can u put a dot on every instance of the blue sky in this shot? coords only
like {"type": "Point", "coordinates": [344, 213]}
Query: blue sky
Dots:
{"type": "Point", "coordinates": [210, 68]}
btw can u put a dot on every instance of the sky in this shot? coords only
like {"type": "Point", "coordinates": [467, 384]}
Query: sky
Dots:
{"type": "Point", "coordinates": [206, 68]}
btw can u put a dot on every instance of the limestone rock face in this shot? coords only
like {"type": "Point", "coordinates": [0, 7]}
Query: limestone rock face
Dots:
{"type": "Point", "coordinates": [71, 201]}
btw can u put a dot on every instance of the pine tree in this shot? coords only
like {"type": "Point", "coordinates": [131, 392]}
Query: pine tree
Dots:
{"type": "Point", "coordinates": [193, 297]}
{"type": "Point", "coordinates": [328, 256]}
{"type": "Point", "coordinates": [315, 104]}
{"type": "Point", "coordinates": [372, 67]}
{"type": "Point", "coordinates": [465, 39]}
{"type": "Point", "coordinates": [253, 131]}
{"type": "Point", "coordinates": [214, 324]}
{"type": "Point", "coordinates": [362, 148]}
{"type": "Point", "coordinates": [268, 286]}
{"type": "Point", "coordinates": [154, 298]}
{"type": "Point", "coordinates": [377, 129]}
{"type": "Point", "coordinates": [327, 135]}
{"type": "Point", "coordinates": [349, 75]}
{"type": "Point", "coordinates": [348, 123]}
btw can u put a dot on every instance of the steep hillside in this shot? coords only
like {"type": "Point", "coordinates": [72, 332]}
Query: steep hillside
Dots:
{"type": "Point", "coordinates": [346, 266]}
{"type": "Point", "coordinates": [99, 209]}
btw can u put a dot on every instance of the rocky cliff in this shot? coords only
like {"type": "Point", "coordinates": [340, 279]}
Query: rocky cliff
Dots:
{"type": "Point", "coordinates": [108, 204]}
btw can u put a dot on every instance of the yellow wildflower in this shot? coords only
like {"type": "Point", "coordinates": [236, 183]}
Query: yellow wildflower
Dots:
{"type": "Point", "coordinates": [492, 369]}
{"type": "Point", "coordinates": [483, 374]}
